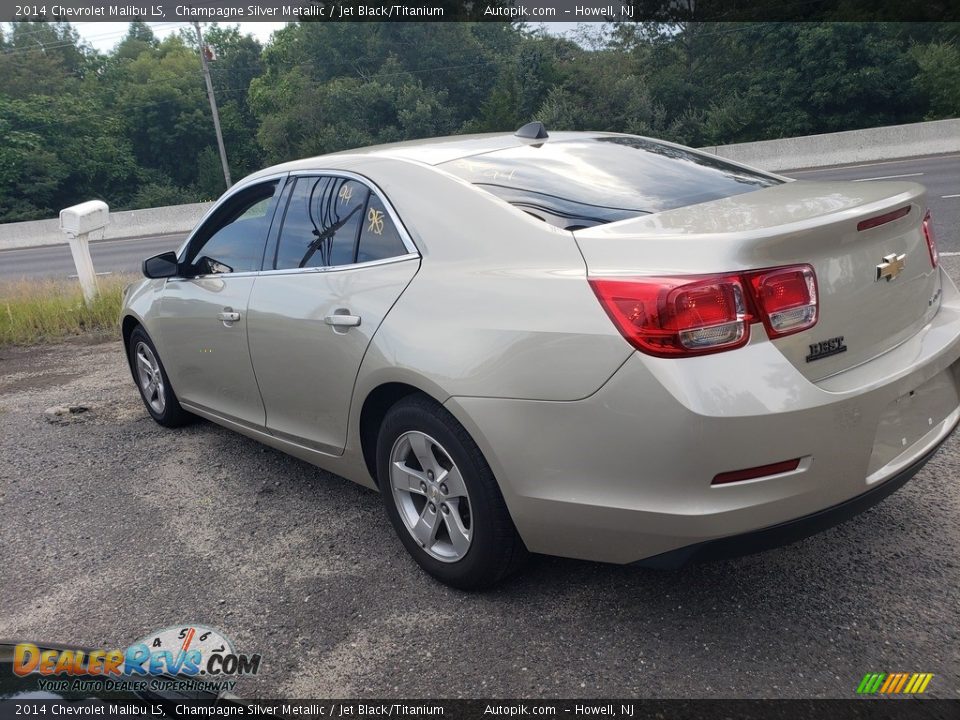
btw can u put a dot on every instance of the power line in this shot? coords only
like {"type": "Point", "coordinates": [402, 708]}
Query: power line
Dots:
{"type": "Point", "coordinates": [64, 42]}
{"type": "Point", "coordinates": [47, 24]}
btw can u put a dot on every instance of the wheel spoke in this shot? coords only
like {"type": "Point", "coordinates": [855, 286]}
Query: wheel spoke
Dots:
{"type": "Point", "coordinates": [459, 535]}
{"type": "Point", "coordinates": [409, 479]}
{"type": "Point", "coordinates": [425, 531]}
{"type": "Point", "coordinates": [454, 482]}
{"type": "Point", "coordinates": [144, 363]}
{"type": "Point", "coordinates": [420, 445]}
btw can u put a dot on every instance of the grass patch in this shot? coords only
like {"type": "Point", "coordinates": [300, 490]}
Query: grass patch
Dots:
{"type": "Point", "coordinates": [37, 311]}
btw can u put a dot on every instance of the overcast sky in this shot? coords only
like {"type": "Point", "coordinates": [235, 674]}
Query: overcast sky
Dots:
{"type": "Point", "coordinates": [105, 35]}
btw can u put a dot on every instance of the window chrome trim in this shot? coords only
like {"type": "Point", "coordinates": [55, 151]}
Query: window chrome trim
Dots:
{"type": "Point", "coordinates": [336, 268]}
{"type": "Point", "coordinates": [214, 276]}
{"type": "Point", "coordinates": [300, 271]}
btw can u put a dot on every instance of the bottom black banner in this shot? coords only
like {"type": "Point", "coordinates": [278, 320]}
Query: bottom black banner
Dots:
{"type": "Point", "coordinates": [858, 709]}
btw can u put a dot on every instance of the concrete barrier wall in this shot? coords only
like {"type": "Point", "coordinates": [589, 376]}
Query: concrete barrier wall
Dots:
{"type": "Point", "coordinates": [854, 146]}
{"type": "Point", "coordinates": [169, 220]}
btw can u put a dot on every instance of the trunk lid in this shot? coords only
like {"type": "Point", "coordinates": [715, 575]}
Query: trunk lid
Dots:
{"type": "Point", "coordinates": [797, 222]}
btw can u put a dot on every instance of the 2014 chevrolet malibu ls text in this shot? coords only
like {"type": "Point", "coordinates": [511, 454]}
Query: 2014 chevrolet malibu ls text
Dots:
{"type": "Point", "coordinates": [592, 345]}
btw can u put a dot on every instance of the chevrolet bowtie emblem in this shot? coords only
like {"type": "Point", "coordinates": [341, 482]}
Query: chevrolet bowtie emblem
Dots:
{"type": "Point", "coordinates": [891, 266]}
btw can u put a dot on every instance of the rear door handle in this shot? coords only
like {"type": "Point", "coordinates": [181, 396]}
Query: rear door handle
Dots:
{"type": "Point", "coordinates": [342, 320]}
{"type": "Point", "coordinates": [228, 316]}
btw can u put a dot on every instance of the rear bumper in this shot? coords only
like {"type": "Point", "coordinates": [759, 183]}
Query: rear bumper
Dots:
{"type": "Point", "coordinates": [790, 531]}
{"type": "Point", "coordinates": [626, 474]}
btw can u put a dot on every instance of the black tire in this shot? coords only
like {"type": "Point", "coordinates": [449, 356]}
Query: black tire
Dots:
{"type": "Point", "coordinates": [171, 415]}
{"type": "Point", "coordinates": [495, 550]}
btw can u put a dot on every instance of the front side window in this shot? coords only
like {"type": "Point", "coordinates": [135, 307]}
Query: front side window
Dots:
{"type": "Point", "coordinates": [233, 239]}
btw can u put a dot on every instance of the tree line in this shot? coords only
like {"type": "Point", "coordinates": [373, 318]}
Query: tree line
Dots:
{"type": "Point", "coordinates": [133, 127]}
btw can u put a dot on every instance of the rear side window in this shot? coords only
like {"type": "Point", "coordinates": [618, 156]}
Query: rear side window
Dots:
{"type": "Point", "coordinates": [379, 238]}
{"type": "Point", "coordinates": [591, 181]}
{"type": "Point", "coordinates": [332, 221]}
{"type": "Point", "coordinates": [322, 223]}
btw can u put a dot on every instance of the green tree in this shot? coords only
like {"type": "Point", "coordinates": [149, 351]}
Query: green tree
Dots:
{"type": "Point", "coordinates": [161, 99]}
{"type": "Point", "coordinates": [938, 78]}
{"type": "Point", "coordinates": [139, 39]}
{"type": "Point", "coordinates": [41, 59]}
{"type": "Point", "coordinates": [57, 151]}
{"type": "Point", "coordinates": [301, 117]}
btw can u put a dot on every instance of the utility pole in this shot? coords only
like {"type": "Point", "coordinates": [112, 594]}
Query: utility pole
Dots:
{"type": "Point", "coordinates": [213, 106]}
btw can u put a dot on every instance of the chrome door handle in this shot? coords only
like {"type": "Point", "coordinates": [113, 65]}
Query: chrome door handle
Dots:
{"type": "Point", "coordinates": [342, 320]}
{"type": "Point", "coordinates": [228, 316]}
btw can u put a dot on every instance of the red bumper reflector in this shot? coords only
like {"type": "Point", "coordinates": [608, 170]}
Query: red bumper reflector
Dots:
{"type": "Point", "coordinates": [882, 219]}
{"type": "Point", "coordinates": [756, 472]}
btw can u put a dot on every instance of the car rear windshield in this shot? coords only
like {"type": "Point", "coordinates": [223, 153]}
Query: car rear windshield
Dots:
{"type": "Point", "coordinates": [591, 181]}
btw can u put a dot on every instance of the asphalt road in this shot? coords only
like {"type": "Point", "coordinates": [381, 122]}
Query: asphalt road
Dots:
{"type": "Point", "coordinates": [940, 173]}
{"type": "Point", "coordinates": [113, 256]}
{"type": "Point", "coordinates": [114, 527]}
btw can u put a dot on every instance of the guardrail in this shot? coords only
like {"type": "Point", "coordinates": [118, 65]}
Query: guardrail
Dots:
{"type": "Point", "coordinates": [883, 143]}
{"type": "Point", "coordinates": [843, 148]}
{"type": "Point", "coordinates": [170, 220]}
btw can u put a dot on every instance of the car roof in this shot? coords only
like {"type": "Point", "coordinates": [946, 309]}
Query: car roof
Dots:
{"type": "Point", "coordinates": [430, 151]}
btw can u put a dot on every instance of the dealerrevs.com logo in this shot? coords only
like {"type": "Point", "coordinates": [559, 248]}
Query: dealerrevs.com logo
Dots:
{"type": "Point", "coordinates": [894, 683]}
{"type": "Point", "coordinates": [199, 655]}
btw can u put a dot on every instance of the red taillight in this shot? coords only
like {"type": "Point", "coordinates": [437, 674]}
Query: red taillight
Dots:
{"type": "Point", "coordinates": [671, 317]}
{"type": "Point", "coordinates": [931, 239]}
{"type": "Point", "coordinates": [686, 316]}
{"type": "Point", "coordinates": [786, 298]}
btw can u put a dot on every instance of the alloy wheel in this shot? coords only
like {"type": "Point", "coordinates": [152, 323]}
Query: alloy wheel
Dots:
{"type": "Point", "coordinates": [150, 377]}
{"type": "Point", "coordinates": [431, 496]}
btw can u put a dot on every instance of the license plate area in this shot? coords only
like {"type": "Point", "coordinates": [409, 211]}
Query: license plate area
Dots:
{"type": "Point", "coordinates": [908, 418]}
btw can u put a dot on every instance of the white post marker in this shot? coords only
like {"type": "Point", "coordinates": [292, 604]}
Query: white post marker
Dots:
{"type": "Point", "coordinates": [77, 223]}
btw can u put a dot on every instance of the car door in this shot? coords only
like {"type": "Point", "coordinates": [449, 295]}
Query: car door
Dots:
{"type": "Point", "coordinates": [338, 264]}
{"type": "Point", "coordinates": [202, 322]}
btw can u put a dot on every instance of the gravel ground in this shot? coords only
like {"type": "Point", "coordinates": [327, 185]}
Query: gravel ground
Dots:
{"type": "Point", "coordinates": [114, 527]}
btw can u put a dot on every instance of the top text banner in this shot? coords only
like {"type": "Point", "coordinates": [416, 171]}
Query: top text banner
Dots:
{"type": "Point", "coordinates": [303, 10]}
{"type": "Point", "coordinates": [532, 11]}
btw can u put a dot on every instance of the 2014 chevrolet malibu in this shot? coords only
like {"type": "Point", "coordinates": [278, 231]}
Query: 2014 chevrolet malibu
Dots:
{"type": "Point", "coordinates": [592, 345]}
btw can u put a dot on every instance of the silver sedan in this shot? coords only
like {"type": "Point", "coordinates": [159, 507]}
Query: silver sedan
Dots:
{"type": "Point", "coordinates": [593, 345]}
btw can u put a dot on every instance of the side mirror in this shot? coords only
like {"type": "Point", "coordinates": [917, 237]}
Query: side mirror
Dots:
{"type": "Point", "coordinates": [164, 265]}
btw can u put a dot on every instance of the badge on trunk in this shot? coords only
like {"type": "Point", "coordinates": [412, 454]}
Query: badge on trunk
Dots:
{"type": "Point", "coordinates": [826, 348]}
{"type": "Point", "coordinates": [891, 266]}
